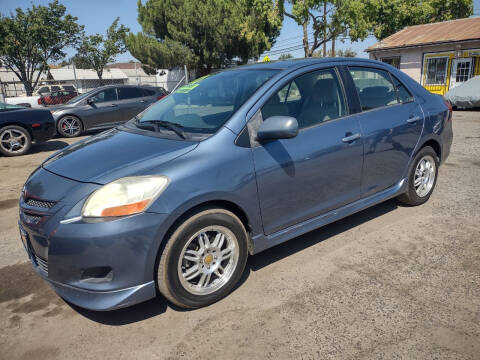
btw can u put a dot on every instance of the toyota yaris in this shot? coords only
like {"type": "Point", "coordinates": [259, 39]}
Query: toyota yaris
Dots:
{"type": "Point", "coordinates": [226, 166]}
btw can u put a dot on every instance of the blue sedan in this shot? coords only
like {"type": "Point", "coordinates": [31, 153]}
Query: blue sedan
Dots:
{"type": "Point", "coordinates": [225, 167]}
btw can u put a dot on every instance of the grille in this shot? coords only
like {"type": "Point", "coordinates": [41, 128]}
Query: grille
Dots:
{"type": "Point", "coordinates": [42, 264]}
{"type": "Point", "coordinates": [39, 203]}
{"type": "Point", "coordinates": [31, 219]}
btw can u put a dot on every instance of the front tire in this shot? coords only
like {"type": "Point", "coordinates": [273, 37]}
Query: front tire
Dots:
{"type": "Point", "coordinates": [422, 177]}
{"type": "Point", "coordinates": [69, 126]}
{"type": "Point", "coordinates": [14, 140]}
{"type": "Point", "coordinates": [203, 259]}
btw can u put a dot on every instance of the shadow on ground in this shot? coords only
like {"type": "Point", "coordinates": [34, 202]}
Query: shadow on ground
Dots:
{"type": "Point", "coordinates": [31, 284]}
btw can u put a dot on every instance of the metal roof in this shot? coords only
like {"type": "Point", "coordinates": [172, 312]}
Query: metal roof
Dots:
{"type": "Point", "coordinates": [86, 74]}
{"type": "Point", "coordinates": [436, 33]}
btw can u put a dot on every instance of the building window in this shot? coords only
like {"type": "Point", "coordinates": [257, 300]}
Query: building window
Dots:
{"type": "Point", "coordinates": [394, 61]}
{"type": "Point", "coordinates": [436, 71]}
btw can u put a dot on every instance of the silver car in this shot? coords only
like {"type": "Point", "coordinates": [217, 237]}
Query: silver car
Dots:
{"type": "Point", "coordinates": [103, 107]}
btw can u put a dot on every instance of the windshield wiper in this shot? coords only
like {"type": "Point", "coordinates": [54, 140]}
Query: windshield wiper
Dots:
{"type": "Point", "coordinates": [155, 124]}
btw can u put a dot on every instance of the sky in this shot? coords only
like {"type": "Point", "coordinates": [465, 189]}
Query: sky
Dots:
{"type": "Point", "coordinates": [97, 15]}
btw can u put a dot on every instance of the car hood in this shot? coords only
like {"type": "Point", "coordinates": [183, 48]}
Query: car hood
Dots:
{"type": "Point", "coordinates": [113, 154]}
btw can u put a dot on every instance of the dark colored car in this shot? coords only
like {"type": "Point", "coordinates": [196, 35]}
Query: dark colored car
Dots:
{"type": "Point", "coordinates": [103, 108]}
{"type": "Point", "coordinates": [57, 97]}
{"type": "Point", "coordinates": [226, 166]}
{"type": "Point", "coordinates": [20, 126]}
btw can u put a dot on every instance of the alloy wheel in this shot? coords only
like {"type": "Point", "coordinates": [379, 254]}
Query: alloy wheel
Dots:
{"type": "Point", "coordinates": [208, 260]}
{"type": "Point", "coordinates": [13, 141]}
{"type": "Point", "coordinates": [424, 177]}
{"type": "Point", "coordinates": [70, 126]}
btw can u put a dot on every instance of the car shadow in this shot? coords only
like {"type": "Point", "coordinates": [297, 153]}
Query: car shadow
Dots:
{"type": "Point", "coordinates": [269, 256]}
{"type": "Point", "coordinates": [51, 145]}
{"type": "Point", "coordinates": [159, 305]}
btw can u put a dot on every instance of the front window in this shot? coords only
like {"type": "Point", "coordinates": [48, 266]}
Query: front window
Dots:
{"type": "Point", "coordinates": [436, 71]}
{"type": "Point", "coordinates": [205, 104]}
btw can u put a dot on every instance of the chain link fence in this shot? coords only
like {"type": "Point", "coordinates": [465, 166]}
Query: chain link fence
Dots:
{"type": "Point", "coordinates": [59, 85]}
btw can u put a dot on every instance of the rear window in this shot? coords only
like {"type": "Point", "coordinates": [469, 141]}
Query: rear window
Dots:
{"type": "Point", "coordinates": [403, 94]}
{"type": "Point", "coordinates": [374, 87]}
{"type": "Point", "coordinates": [148, 92]}
{"type": "Point", "coordinates": [129, 93]}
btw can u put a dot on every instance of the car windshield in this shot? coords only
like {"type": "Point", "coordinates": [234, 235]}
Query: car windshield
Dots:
{"type": "Point", "coordinates": [205, 104]}
{"type": "Point", "coordinates": [80, 97]}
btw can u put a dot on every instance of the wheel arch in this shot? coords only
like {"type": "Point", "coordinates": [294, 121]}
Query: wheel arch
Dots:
{"type": "Point", "coordinates": [210, 204]}
{"type": "Point", "coordinates": [435, 145]}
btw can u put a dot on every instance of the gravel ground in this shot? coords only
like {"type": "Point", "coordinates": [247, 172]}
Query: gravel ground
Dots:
{"type": "Point", "coordinates": [390, 282]}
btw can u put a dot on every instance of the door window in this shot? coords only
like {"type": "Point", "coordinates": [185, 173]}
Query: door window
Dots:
{"type": "Point", "coordinates": [311, 98]}
{"type": "Point", "coordinates": [125, 93]}
{"type": "Point", "coordinates": [105, 95]}
{"type": "Point", "coordinates": [374, 87]}
{"type": "Point", "coordinates": [404, 95]}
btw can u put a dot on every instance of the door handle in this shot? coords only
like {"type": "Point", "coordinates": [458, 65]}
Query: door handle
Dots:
{"type": "Point", "coordinates": [351, 138]}
{"type": "Point", "coordinates": [142, 101]}
{"type": "Point", "coordinates": [113, 105]}
{"type": "Point", "coordinates": [413, 119]}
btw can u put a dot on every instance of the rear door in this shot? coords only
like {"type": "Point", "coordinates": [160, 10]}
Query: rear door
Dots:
{"type": "Point", "coordinates": [131, 101]}
{"type": "Point", "coordinates": [391, 121]}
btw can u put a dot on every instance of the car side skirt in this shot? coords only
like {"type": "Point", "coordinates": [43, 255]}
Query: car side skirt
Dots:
{"type": "Point", "coordinates": [262, 242]}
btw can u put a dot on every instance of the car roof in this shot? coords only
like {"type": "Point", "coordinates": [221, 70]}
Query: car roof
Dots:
{"type": "Point", "coordinates": [291, 64]}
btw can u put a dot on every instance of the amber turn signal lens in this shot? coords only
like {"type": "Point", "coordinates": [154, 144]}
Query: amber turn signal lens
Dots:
{"type": "Point", "coordinates": [128, 209]}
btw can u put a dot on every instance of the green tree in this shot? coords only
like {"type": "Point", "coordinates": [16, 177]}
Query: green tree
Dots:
{"type": "Point", "coordinates": [285, 56]}
{"type": "Point", "coordinates": [96, 51]}
{"type": "Point", "coordinates": [329, 19]}
{"type": "Point", "coordinates": [204, 34]}
{"type": "Point", "coordinates": [390, 16]}
{"type": "Point", "coordinates": [34, 37]}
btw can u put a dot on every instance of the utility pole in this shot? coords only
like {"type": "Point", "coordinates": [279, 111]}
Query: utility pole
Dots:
{"type": "Point", "coordinates": [324, 28]}
{"type": "Point", "coordinates": [75, 77]}
{"type": "Point", "coordinates": [186, 74]}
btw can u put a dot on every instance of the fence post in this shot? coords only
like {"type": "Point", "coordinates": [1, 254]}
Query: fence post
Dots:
{"type": "Point", "coordinates": [186, 74]}
{"type": "Point", "coordinates": [75, 77]}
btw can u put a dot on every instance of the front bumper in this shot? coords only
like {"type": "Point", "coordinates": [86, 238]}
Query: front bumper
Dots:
{"type": "Point", "coordinates": [100, 265]}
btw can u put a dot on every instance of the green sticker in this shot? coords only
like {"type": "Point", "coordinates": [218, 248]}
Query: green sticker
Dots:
{"type": "Point", "coordinates": [189, 87]}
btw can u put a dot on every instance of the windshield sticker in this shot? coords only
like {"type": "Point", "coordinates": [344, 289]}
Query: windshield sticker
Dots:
{"type": "Point", "coordinates": [189, 87]}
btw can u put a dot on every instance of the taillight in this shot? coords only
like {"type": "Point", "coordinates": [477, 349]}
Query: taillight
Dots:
{"type": "Point", "coordinates": [160, 97]}
{"type": "Point", "coordinates": [39, 101]}
{"type": "Point", "coordinates": [450, 109]}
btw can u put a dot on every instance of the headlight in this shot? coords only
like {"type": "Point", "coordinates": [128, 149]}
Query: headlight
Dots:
{"type": "Point", "coordinates": [125, 196]}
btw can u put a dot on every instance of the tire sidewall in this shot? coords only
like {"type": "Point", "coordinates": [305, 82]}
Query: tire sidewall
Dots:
{"type": "Point", "coordinates": [412, 194]}
{"type": "Point", "coordinates": [27, 135]}
{"type": "Point", "coordinates": [62, 133]}
{"type": "Point", "coordinates": [180, 238]}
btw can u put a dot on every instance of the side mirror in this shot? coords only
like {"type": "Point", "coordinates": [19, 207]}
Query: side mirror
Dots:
{"type": "Point", "coordinates": [90, 101]}
{"type": "Point", "coordinates": [278, 127]}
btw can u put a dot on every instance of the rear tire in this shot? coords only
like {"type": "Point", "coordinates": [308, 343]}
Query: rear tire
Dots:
{"type": "Point", "coordinates": [422, 177]}
{"type": "Point", "coordinates": [203, 259]}
{"type": "Point", "coordinates": [69, 126]}
{"type": "Point", "coordinates": [14, 140]}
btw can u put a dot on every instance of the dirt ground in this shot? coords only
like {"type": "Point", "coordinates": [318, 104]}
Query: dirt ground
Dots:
{"type": "Point", "coordinates": [390, 282]}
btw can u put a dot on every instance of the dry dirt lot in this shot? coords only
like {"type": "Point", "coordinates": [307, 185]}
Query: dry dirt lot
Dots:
{"type": "Point", "coordinates": [389, 282]}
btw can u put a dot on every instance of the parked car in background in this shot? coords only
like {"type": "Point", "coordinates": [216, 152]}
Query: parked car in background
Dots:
{"type": "Point", "coordinates": [466, 95]}
{"type": "Point", "coordinates": [43, 90]}
{"type": "Point", "coordinates": [231, 164]}
{"type": "Point", "coordinates": [57, 97]}
{"type": "Point", "coordinates": [103, 107]}
{"type": "Point", "coordinates": [25, 101]}
{"type": "Point", "coordinates": [20, 126]}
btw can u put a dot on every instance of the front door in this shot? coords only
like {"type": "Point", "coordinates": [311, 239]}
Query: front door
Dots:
{"type": "Point", "coordinates": [103, 108]}
{"type": "Point", "coordinates": [461, 71]}
{"type": "Point", "coordinates": [320, 169]}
